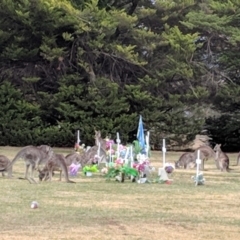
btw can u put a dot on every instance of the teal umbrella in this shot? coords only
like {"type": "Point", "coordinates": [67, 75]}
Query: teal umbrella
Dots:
{"type": "Point", "coordinates": [140, 135]}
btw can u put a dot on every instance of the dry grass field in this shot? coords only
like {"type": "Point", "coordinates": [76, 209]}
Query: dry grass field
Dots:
{"type": "Point", "coordinates": [96, 209]}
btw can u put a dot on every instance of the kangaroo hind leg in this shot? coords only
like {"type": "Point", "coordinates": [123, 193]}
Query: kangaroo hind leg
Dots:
{"type": "Point", "coordinates": [31, 179]}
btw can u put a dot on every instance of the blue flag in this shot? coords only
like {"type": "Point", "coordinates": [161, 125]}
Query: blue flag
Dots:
{"type": "Point", "coordinates": [140, 134]}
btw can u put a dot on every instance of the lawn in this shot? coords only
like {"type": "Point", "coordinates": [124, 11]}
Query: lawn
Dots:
{"type": "Point", "coordinates": [94, 208]}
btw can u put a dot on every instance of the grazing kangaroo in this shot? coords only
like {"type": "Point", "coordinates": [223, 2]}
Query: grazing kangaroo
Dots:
{"type": "Point", "coordinates": [221, 158]}
{"type": "Point", "coordinates": [4, 165]}
{"type": "Point", "coordinates": [89, 157]}
{"type": "Point", "coordinates": [74, 157]}
{"type": "Point", "coordinates": [58, 163]}
{"type": "Point", "coordinates": [69, 159]}
{"type": "Point", "coordinates": [206, 152]}
{"type": "Point", "coordinates": [186, 160]}
{"type": "Point", "coordinates": [33, 157]}
{"type": "Point", "coordinates": [238, 159]}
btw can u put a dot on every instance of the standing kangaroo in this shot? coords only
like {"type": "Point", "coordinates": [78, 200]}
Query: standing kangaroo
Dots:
{"type": "Point", "coordinates": [4, 165]}
{"type": "Point", "coordinates": [33, 157]}
{"type": "Point", "coordinates": [238, 159]}
{"type": "Point", "coordinates": [206, 152]}
{"type": "Point", "coordinates": [221, 158]}
{"type": "Point", "coordinates": [57, 162]}
{"type": "Point", "coordinates": [99, 140]}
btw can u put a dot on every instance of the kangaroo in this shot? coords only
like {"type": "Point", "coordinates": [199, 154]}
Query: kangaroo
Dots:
{"type": "Point", "coordinates": [238, 159]}
{"type": "Point", "coordinates": [74, 157]}
{"type": "Point", "coordinates": [206, 152]}
{"type": "Point", "coordinates": [221, 158]}
{"type": "Point", "coordinates": [4, 164]}
{"type": "Point", "coordinates": [186, 160]}
{"type": "Point", "coordinates": [58, 163]}
{"type": "Point", "coordinates": [98, 139]}
{"type": "Point", "coordinates": [33, 157]}
{"type": "Point", "coordinates": [90, 156]}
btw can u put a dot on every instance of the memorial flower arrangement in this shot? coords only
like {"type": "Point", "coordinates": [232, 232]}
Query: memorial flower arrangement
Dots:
{"type": "Point", "coordinates": [90, 168]}
{"type": "Point", "coordinates": [198, 179]}
{"type": "Point", "coordinates": [73, 169]}
{"type": "Point", "coordinates": [79, 148]}
{"type": "Point", "coordinates": [120, 170]}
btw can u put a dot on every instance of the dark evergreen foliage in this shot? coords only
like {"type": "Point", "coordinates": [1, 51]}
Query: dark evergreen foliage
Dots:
{"type": "Point", "coordinates": [96, 64]}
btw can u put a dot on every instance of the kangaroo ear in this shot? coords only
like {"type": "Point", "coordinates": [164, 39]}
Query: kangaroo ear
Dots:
{"type": "Point", "coordinates": [97, 133]}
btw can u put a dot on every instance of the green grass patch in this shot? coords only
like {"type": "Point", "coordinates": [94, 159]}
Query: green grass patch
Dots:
{"type": "Point", "coordinates": [94, 208]}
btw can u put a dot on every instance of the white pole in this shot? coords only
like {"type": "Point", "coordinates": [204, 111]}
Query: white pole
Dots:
{"type": "Point", "coordinates": [164, 152]}
{"type": "Point", "coordinates": [198, 162]}
{"type": "Point", "coordinates": [78, 137]}
{"type": "Point", "coordinates": [131, 156]}
{"type": "Point", "coordinates": [98, 152]}
{"type": "Point", "coordinates": [146, 148]}
{"type": "Point", "coordinates": [110, 149]}
{"type": "Point", "coordinates": [147, 143]}
{"type": "Point", "coordinates": [118, 145]}
{"type": "Point", "coordinates": [126, 156]}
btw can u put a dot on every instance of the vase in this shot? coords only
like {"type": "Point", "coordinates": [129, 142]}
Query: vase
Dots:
{"type": "Point", "coordinates": [88, 174]}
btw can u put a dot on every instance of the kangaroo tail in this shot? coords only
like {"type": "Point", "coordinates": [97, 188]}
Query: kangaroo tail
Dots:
{"type": "Point", "coordinates": [19, 155]}
{"type": "Point", "coordinates": [64, 169]}
{"type": "Point", "coordinates": [69, 181]}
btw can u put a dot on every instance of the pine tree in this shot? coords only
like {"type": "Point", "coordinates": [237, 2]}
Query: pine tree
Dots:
{"type": "Point", "coordinates": [20, 122]}
{"type": "Point", "coordinates": [99, 64]}
{"type": "Point", "coordinates": [217, 23]}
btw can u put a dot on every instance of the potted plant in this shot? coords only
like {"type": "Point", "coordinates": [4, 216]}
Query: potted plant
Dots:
{"type": "Point", "coordinates": [88, 170]}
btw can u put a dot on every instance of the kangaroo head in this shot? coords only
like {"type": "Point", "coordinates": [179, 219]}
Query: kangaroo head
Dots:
{"type": "Point", "coordinates": [41, 174]}
{"type": "Point", "coordinates": [97, 134]}
{"type": "Point", "coordinates": [217, 147]}
{"type": "Point", "coordinates": [177, 165]}
{"type": "Point", "coordinates": [47, 149]}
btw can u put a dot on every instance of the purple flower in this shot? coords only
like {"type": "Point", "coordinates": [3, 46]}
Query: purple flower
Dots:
{"type": "Point", "coordinates": [73, 169]}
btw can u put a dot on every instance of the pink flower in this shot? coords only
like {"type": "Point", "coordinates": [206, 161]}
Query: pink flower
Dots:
{"type": "Point", "coordinates": [112, 151]}
{"type": "Point", "coordinates": [121, 147]}
{"type": "Point", "coordinates": [76, 146]}
{"type": "Point", "coordinates": [139, 167]}
{"type": "Point", "coordinates": [119, 161]}
{"type": "Point", "coordinates": [135, 165]}
{"type": "Point", "coordinates": [108, 143]}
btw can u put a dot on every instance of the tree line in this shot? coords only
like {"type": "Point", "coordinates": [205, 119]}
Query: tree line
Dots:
{"type": "Point", "coordinates": [95, 64]}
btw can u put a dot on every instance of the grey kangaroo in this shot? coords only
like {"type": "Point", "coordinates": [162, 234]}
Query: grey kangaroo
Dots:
{"type": "Point", "coordinates": [186, 160]}
{"type": "Point", "coordinates": [206, 152]}
{"type": "Point", "coordinates": [33, 157]}
{"type": "Point", "coordinates": [4, 165]}
{"type": "Point", "coordinates": [238, 159]}
{"type": "Point", "coordinates": [58, 163]}
{"type": "Point", "coordinates": [98, 139]}
{"type": "Point", "coordinates": [222, 158]}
